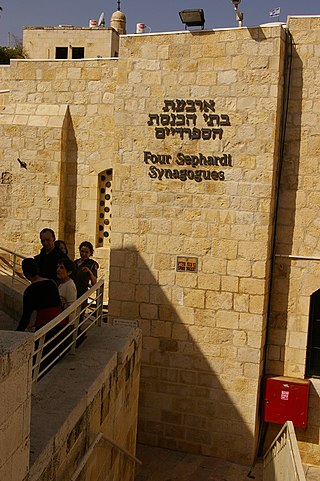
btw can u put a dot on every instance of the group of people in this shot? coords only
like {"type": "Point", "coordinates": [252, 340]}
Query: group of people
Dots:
{"type": "Point", "coordinates": [56, 280]}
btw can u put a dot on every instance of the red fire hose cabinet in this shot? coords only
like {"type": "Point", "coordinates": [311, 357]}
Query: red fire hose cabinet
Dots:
{"type": "Point", "coordinates": [286, 399]}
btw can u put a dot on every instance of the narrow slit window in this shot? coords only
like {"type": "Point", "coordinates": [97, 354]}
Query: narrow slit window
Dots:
{"type": "Point", "coordinates": [104, 208]}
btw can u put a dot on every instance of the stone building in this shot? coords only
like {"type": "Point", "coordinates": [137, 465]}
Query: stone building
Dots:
{"type": "Point", "coordinates": [69, 42]}
{"type": "Point", "coordinates": [191, 163]}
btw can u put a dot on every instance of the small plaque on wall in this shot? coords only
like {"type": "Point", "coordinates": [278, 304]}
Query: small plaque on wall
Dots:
{"type": "Point", "coordinates": [187, 264]}
{"type": "Point", "coordinates": [125, 323]}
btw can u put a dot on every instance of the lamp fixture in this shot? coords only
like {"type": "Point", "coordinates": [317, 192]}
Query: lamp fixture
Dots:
{"type": "Point", "coordinates": [192, 18]}
{"type": "Point", "coordinates": [239, 15]}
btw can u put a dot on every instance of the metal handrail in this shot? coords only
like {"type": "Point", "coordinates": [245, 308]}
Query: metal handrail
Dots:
{"type": "Point", "coordinates": [54, 340]}
{"type": "Point", "coordinates": [100, 441]}
{"type": "Point", "coordinates": [10, 263]}
{"type": "Point", "coordinates": [282, 460]}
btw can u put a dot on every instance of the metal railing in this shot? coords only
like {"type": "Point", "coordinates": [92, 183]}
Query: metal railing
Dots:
{"type": "Point", "coordinates": [282, 461]}
{"type": "Point", "coordinates": [10, 265]}
{"type": "Point", "coordinates": [66, 331]}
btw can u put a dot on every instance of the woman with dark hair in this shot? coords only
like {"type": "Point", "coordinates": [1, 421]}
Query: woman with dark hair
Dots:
{"type": "Point", "coordinates": [41, 295]}
{"type": "Point", "coordinates": [86, 269]}
{"type": "Point", "coordinates": [62, 246]}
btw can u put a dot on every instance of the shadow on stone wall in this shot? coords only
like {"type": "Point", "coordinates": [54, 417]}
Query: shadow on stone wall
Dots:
{"type": "Point", "coordinates": [199, 380]}
{"type": "Point", "coordinates": [257, 34]}
{"type": "Point", "coordinates": [68, 184]}
{"type": "Point", "coordinates": [286, 219]}
{"type": "Point", "coordinates": [282, 270]}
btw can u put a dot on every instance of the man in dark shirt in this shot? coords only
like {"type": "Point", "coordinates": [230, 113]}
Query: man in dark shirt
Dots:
{"type": "Point", "coordinates": [49, 256]}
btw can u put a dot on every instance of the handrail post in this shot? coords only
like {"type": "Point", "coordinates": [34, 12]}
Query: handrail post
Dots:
{"type": "Point", "coordinates": [38, 360]}
{"type": "Point", "coordinates": [75, 323]}
{"type": "Point", "coordinates": [14, 267]}
{"type": "Point", "coordinates": [100, 304]}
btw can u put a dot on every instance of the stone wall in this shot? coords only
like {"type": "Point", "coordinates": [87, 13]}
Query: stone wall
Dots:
{"type": "Point", "coordinates": [297, 266]}
{"type": "Point", "coordinates": [11, 298]}
{"type": "Point", "coordinates": [60, 122]}
{"type": "Point", "coordinates": [204, 330]}
{"type": "Point", "coordinates": [41, 42]}
{"type": "Point", "coordinates": [189, 125]}
{"type": "Point", "coordinates": [81, 421]}
{"type": "Point", "coordinates": [88, 404]}
{"type": "Point", "coordinates": [4, 85]}
{"type": "Point", "coordinates": [15, 395]}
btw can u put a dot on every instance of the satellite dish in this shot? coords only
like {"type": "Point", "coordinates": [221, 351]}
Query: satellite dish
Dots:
{"type": "Point", "coordinates": [101, 21]}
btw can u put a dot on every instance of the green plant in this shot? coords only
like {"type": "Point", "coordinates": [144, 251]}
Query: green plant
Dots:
{"type": "Point", "coordinates": [7, 53]}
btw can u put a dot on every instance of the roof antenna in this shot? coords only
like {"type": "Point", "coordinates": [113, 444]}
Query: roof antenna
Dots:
{"type": "Point", "coordinates": [118, 1]}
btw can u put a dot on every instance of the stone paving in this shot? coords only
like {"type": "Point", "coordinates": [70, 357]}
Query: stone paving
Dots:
{"type": "Point", "coordinates": [166, 465]}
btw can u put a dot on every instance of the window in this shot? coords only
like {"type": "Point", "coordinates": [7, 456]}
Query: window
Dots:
{"type": "Point", "coordinates": [313, 349]}
{"type": "Point", "coordinates": [104, 208]}
{"type": "Point", "coordinates": [61, 52]}
{"type": "Point", "coordinates": [77, 52]}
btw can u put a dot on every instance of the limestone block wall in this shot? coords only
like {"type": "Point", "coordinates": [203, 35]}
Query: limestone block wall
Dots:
{"type": "Point", "coordinates": [189, 125]}
{"type": "Point", "coordinates": [95, 425]}
{"type": "Point", "coordinates": [197, 122]}
{"type": "Point", "coordinates": [297, 266]}
{"type": "Point", "coordinates": [11, 298]}
{"type": "Point", "coordinates": [4, 85]}
{"type": "Point", "coordinates": [41, 42]}
{"type": "Point", "coordinates": [4, 96]}
{"type": "Point", "coordinates": [15, 406]}
{"type": "Point", "coordinates": [30, 197]}
{"type": "Point", "coordinates": [65, 148]}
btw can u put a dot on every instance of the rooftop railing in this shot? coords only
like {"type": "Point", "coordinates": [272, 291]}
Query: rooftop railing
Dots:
{"type": "Point", "coordinates": [65, 332]}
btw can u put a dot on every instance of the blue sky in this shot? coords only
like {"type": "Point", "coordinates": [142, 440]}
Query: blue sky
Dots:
{"type": "Point", "coordinates": [160, 15]}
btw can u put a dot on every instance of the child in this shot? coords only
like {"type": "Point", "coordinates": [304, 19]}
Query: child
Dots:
{"type": "Point", "coordinates": [86, 268]}
{"type": "Point", "coordinates": [67, 288]}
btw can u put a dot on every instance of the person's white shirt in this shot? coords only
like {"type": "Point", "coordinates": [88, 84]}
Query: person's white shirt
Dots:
{"type": "Point", "coordinates": [68, 293]}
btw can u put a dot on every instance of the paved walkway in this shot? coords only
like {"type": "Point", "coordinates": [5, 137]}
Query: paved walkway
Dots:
{"type": "Point", "coordinates": [166, 465]}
